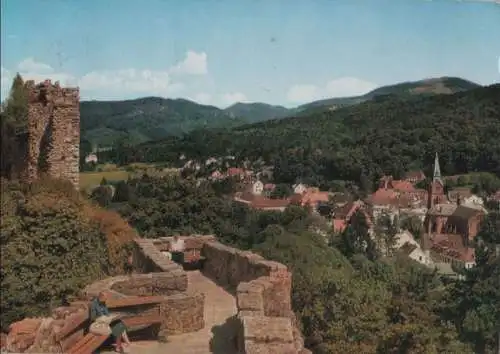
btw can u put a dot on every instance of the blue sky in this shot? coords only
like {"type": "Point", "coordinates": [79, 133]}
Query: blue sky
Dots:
{"type": "Point", "coordinates": [220, 51]}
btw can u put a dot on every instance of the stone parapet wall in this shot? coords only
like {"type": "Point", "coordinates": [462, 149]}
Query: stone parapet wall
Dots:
{"type": "Point", "coordinates": [147, 258]}
{"type": "Point", "coordinates": [267, 323]}
{"type": "Point", "coordinates": [265, 320]}
{"type": "Point", "coordinates": [181, 310]}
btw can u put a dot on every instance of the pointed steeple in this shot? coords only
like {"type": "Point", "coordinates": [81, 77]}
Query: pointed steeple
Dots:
{"type": "Point", "coordinates": [437, 170]}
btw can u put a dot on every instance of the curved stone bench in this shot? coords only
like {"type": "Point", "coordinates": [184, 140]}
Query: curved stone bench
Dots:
{"type": "Point", "coordinates": [181, 310]}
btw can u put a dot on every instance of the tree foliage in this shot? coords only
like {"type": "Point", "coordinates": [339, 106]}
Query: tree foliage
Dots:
{"type": "Point", "coordinates": [369, 139]}
{"type": "Point", "coordinates": [347, 298]}
{"type": "Point", "coordinates": [53, 244]}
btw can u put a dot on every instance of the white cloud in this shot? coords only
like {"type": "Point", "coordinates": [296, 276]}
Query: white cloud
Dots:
{"type": "Point", "coordinates": [31, 65]}
{"type": "Point", "coordinates": [203, 98]}
{"type": "Point", "coordinates": [348, 86]}
{"type": "Point", "coordinates": [302, 93]}
{"type": "Point", "coordinates": [30, 69]}
{"type": "Point", "coordinates": [341, 87]}
{"type": "Point", "coordinates": [5, 82]}
{"type": "Point", "coordinates": [193, 64]}
{"type": "Point", "coordinates": [232, 97]}
{"type": "Point", "coordinates": [100, 83]}
{"type": "Point", "coordinates": [129, 80]}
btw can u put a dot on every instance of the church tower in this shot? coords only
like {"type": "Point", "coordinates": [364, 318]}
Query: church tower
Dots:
{"type": "Point", "coordinates": [435, 196]}
{"type": "Point", "coordinates": [436, 187]}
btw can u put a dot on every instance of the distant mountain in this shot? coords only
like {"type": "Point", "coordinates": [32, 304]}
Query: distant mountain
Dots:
{"type": "Point", "coordinates": [427, 87]}
{"type": "Point", "coordinates": [257, 112]}
{"type": "Point", "coordinates": [154, 118]}
{"type": "Point", "coordinates": [150, 118]}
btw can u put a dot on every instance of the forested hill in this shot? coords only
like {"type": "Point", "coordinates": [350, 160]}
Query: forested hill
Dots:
{"type": "Point", "coordinates": [154, 118]}
{"type": "Point", "coordinates": [427, 87]}
{"type": "Point", "coordinates": [149, 118]}
{"type": "Point", "coordinates": [374, 137]}
{"type": "Point", "coordinates": [257, 112]}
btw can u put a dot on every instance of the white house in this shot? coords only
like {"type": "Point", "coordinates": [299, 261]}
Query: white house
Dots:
{"type": "Point", "coordinates": [473, 200]}
{"type": "Point", "coordinates": [257, 188]}
{"type": "Point", "coordinates": [210, 161]}
{"type": "Point", "coordinates": [406, 243]}
{"type": "Point", "coordinates": [299, 188]}
{"type": "Point", "coordinates": [91, 158]}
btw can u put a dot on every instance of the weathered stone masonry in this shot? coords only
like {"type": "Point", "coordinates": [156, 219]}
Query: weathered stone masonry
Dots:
{"type": "Point", "coordinates": [263, 293]}
{"type": "Point", "coordinates": [265, 320]}
{"type": "Point", "coordinates": [53, 132]}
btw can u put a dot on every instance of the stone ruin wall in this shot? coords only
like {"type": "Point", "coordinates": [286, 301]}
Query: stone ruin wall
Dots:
{"type": "Point", "coordinates": [182, 310]}
{"type": "Point", "coordinates": [265, 320]}
{"type": "Point", "coordinates": [54, 116]}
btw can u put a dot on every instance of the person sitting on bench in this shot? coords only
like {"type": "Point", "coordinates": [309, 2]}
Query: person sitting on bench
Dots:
{"type": "Point", "coordinates": [177, 249]}
{"type": "Point", "coordinates": [99, 310]}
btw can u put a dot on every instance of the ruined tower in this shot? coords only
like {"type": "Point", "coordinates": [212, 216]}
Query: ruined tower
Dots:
{"type": "Point", "coordinates": [53, 132]}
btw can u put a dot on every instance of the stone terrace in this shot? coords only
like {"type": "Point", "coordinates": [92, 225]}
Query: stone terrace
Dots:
{"type": "Point", "coordinates": [238, 303]}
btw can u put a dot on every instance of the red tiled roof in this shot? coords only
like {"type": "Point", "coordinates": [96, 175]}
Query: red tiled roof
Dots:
{"type": "Point", "coordinates": [234, 171]}
{"type": "Point", "coordinates": [452, 246]}
{"type": "Point", "coordinates": [269, 186]}
{"type": "Point", "coordinates": [260, 202]}
{"type": "Point", "coordinates": [267, 203]}
{"type": "Point", "coordinates": [382, 196]}
{"type": "Point", "coordinates": [296, 199]}
{"type": "Point", "coordinates": [403, 186]}
{"type": "Point", "coordinates": [415, 175]}
{"type": "Point", "coordinates": [315, 197]}
{"type": "Point", "coordinates": [496, 196]}
{"type": "Point", "coordinates": [339, 225]}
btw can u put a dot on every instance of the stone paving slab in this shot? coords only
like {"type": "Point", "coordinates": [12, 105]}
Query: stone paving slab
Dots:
{"type": "Point", "coordinates": [217, 337]}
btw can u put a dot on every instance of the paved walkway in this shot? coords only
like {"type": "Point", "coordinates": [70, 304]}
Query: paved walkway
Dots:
{"type": "Point", "coordinates": [216, 337]}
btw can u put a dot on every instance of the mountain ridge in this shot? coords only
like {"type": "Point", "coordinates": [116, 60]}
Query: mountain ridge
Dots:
{"type": "Point", "coordinates": [144, 119]}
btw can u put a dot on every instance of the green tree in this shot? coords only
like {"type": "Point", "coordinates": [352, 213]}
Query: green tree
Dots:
{"type": "Point", "coordinates": [473, 303]}
{"type": "Point", "coordinates": [16, 107]}
{"type": "Point", "coordinates": [385, 232]}
{"type": "Point", "coordinates": [103, 195]}
{"type": "Point", "coordinates": [50, 248]}
{"type": "Point", "coordinates": [281, 191]}
{"type": "Point", "coordinates": [356, 238]}
{"type": "Point", "coordinates": [414, 225]}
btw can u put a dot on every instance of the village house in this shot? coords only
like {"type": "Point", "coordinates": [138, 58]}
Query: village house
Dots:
{"type": "Point", "coordinates": [450, 227]}
{"type": "Point", "coordinates": [394, 197]}
{"type": "Point", "coordinates": [257, 187]}
{"type": "Point", "coordinates": [216, 175]}
{"type": "Point", "coordinates": [268, 189]}
{"type": "Point", "coordinates": [210, 161]}
{"type": "Point", "coordinates": [299, 188]}
{"type": "Point", "coordinates": [236, 172]}
{"type": "Point", "coordinates": [414, 176]}
{"type": "Point", "coordinates": [342, 215]}
{"type": "Point", "coordinates": [406, 244]}
{"type": "Point", "coordinates": [464, 196]}
{"type": "Point", "coordinates": [495, 197]}
{"type": "Point", "coordinates": [312, 197]}
{"type": "Point", "coordinates": [91, 158]}
{"type": "Point", "coordinates": [260, 202]}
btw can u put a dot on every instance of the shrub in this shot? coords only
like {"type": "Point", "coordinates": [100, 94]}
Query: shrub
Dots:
{"type": "Point", "coordinates": [53, 244]}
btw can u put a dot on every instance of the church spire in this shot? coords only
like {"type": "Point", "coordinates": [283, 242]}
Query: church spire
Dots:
{"type": "Point", "coordinates": [437, 170]}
